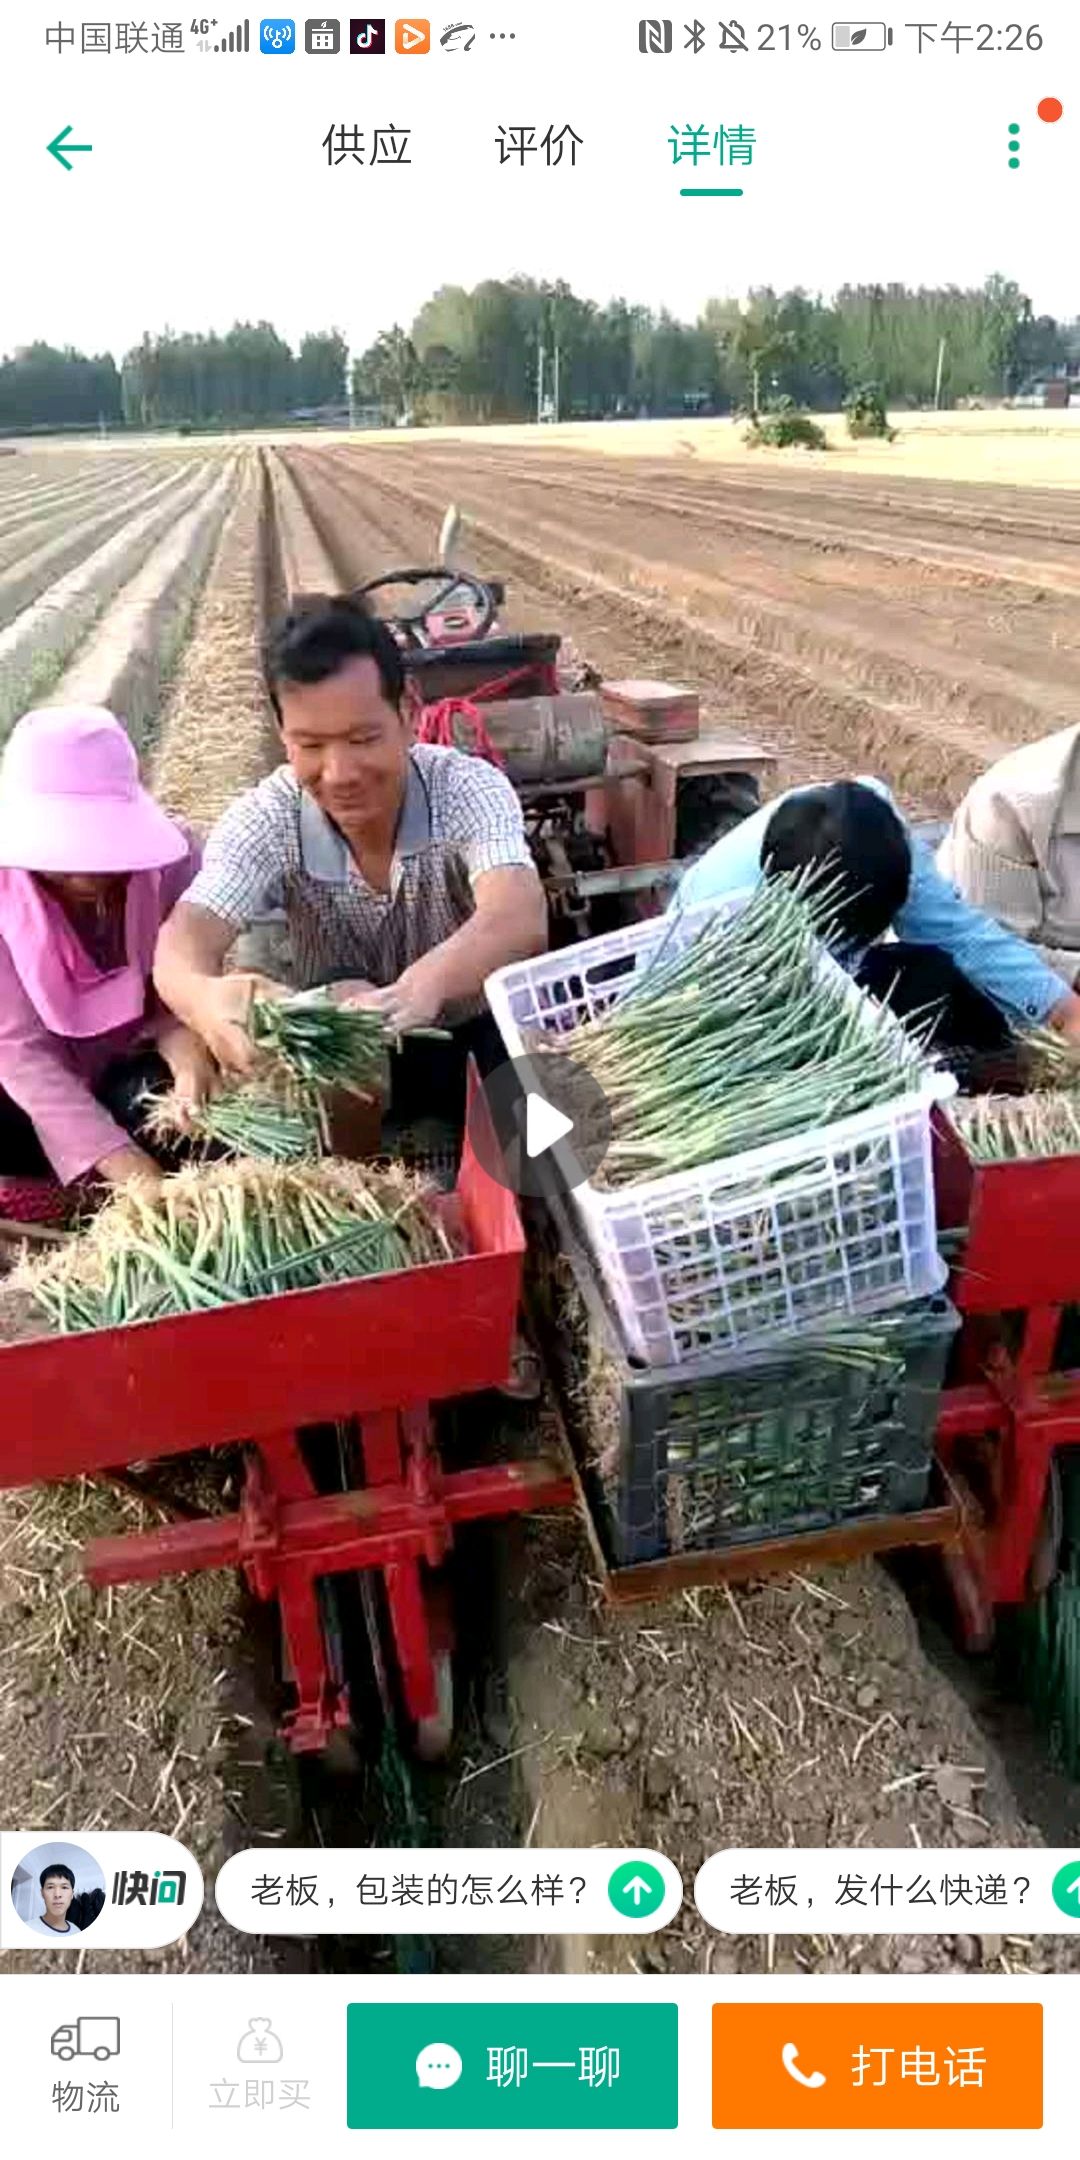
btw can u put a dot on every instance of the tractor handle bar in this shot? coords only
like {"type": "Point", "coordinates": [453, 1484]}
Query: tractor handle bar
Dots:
{"type": "Point", "coordinates": [413, 621]}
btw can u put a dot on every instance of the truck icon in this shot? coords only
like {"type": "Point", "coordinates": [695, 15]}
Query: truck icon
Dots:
{"type": "Point", "coordinates": [96, 2036]}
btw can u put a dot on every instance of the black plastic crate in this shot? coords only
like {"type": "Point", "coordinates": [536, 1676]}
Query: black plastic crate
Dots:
{"type": "Point", "coordinates": [431, 1149]}
{"type": "Point", "coordinates": [771, 1446]}
{"type": "Point", "coordinates": [751, 1448]}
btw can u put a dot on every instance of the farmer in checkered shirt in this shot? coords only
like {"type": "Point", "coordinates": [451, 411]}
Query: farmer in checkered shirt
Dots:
{"type": "Point", "coordinates": [402, 870]}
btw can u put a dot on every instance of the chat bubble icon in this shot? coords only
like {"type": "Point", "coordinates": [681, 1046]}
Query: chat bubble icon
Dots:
{"type": "Point", "coordinates": [438, 2065]}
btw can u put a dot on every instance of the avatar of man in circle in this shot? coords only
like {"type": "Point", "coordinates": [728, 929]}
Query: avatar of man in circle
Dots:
{"type": "Point", "coordinates": [58, 1892]}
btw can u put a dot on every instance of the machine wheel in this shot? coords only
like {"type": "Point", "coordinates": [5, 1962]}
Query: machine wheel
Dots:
{"type": "Point", "coordinates": [708, 805]}
{"type": "Point", "coordinates": [962, 1564]}
{"type": "Point", "coordinates": [359, 1639]}
{"type": "Point", "coordinates": [974, 1614]}
{"type": "Point", "coordinates": [1045, 1563]}
{"type": "Point", "coordinates": [1046, 1656]}
{"type": "Point", "coordinates": [433, 1735]}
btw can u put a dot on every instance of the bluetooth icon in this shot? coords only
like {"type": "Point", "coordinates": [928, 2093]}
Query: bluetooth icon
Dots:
{"type": "Point", "coordinates": [695, 37]}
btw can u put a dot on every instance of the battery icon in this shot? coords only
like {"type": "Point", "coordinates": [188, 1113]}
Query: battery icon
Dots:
{"type": "Point", "coordinates": [860, 36]}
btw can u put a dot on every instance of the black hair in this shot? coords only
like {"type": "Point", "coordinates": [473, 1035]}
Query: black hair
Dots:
{"type": "Point", "coordinates": [320, 634]}
{"type": "Point", "coordinates": [57, 1868]}
{"type": "Point", "coordinates": [859, 833]}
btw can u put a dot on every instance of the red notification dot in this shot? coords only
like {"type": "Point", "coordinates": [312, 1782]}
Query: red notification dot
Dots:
{"type": "Point", "coordinates": [1050, 108]}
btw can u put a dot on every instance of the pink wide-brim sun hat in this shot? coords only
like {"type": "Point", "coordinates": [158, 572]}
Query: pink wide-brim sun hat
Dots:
{"type": "Point", "coordinates": [71, 800]}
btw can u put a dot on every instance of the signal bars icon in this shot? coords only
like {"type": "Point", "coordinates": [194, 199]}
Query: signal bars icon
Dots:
{"type": "Point", "coordinates": [238, 40]}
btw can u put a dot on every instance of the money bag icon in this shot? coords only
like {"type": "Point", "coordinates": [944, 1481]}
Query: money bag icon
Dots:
{"type": "Point", "coordinates": [259, 2044]}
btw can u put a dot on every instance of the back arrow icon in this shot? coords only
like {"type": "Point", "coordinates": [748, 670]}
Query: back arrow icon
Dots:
{"type": "Point", "coordinates": [60, 146]}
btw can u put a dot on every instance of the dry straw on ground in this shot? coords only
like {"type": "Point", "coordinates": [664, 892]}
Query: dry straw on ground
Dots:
{"type": "Point", "coordinates": [217, 735]}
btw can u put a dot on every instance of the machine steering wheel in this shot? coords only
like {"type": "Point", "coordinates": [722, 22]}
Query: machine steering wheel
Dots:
{"type": "Point", "coordinates": [413, 622]}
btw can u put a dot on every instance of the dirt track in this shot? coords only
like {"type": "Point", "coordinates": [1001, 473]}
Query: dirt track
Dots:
{"type": "Point", "coordinates": [911, 627]}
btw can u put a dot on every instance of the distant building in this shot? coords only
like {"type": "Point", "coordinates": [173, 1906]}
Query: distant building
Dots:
{"type": "Point", "coordinates": [320, 415]}
{"type": "Point", "coordinates": [1055, 390]}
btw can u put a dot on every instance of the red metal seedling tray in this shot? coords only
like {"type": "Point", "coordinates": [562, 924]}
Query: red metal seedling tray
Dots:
{"type": "Point", "coordinates": [96, 1401]}
{"type": "Point", "coordinates": [1023, 1225]}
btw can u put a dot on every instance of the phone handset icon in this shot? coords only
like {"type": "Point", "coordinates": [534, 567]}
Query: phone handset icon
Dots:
{"type": "Point", "coordinates": [812, 2078]}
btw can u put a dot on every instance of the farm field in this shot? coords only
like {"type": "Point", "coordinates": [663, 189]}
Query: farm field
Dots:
{"type": "Point", "coordinates": [911, 627]}
{"type": "Point", "coordinates": [857, 614]}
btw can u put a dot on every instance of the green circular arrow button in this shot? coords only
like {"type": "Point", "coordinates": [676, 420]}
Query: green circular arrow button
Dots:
{"type": "Point", "coordinates": [637, 1888]}
{"type": "Point", "coordinates": [1066, 1889]}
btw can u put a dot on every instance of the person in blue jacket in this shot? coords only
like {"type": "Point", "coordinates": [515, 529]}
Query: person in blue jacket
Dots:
{"type": "Point", "coordinates": [904, 930]}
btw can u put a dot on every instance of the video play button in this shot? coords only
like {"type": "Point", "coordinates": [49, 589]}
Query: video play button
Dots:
{"type": "Point", "coordinates": [543, 1125]}
{"type": "Point", "coordinates": [547, 1126]}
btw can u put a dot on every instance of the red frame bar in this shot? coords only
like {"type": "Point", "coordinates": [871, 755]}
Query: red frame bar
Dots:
{"type": "Point", "coordinates": [330, 1532]}
{"type": "Point", "coordinates": [286, 1536]}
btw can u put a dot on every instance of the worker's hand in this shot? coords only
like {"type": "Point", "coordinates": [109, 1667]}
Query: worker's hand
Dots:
{"type": "Point", "coordinates": [189, 1062]}
{"type": "Point", "coordinates": [1065, 1016]}
{"type": "Point", "coordinates": [414, 1001]}
{"type": "Point", "coordinates": [219, 1014]}
{"type": "Point", "coordinates": [354, 992]}
{"type": "Point", "coordinates": [128, 1166]}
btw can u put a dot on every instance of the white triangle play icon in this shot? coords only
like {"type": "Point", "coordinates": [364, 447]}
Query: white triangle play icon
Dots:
{"type": "Point", "coordinates": [543, 1125]}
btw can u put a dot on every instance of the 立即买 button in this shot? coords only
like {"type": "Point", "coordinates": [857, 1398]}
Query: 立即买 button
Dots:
{"type": "Point", "coordinates": [877, 2066]}
{"type": "Point", "coordinates": [513, 2066]}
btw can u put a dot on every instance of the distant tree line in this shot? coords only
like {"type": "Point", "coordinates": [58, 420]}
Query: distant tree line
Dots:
{"type": "Point", "coordinates": [43, 387]}
{"type": "Point", "coordinates": [477, 355]}
{"type": "Point", "coordinates": [250, 374]}
{"type": "Point", "coordinates": [173, 380]}
{"type": "Point", "coordinates": [496, 352]}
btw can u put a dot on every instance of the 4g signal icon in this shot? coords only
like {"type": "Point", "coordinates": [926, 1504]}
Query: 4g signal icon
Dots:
{"type": "Point", "coordinates": [238, 40]}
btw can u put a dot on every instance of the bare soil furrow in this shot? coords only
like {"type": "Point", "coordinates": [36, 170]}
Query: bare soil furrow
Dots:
{"type": "Point", "coordinates": [127, 662]}
{"type": "Point", "coordinates": [1038, 514]}
{"type": "Point", "coordinates": [788, 698]}
{"type": "Point", "coordinates": [217, 734]}
{"type": "Point", "coordinates": [915, 657]}
{"type": "Point", "coordinates": [901, 549]}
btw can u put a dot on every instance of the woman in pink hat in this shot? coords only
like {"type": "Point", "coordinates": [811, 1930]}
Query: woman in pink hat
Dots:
{"type": "Point", "coordinates": [89, 868]}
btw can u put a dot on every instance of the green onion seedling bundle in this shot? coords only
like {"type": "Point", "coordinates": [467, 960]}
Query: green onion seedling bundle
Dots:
{"type": "Point", "coordinates": [1040, 1641]}
{"type": "Point", "coordinates": [320, 1044]}
{"type": "Point", "coordinates": [1018, 1128]}
{"type": "Point", "coordinates": [251, 1119]}
{"type": "Point", "coordinates": [308, 1047]}
{"type": "Point", "coordinates": [1051, 1060]}
{"type": "Point", "coordinates": [739, 1040]}
{"type": "Point", "coordinates": [217, 1234]}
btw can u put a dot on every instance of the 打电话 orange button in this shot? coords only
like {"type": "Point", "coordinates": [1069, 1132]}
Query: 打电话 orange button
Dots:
{"type": "Point", "coordinates": [877, 2066]}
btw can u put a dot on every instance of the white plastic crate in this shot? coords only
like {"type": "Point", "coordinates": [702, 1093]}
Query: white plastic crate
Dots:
{"type": "Point", "coordinates": [759, 1246]}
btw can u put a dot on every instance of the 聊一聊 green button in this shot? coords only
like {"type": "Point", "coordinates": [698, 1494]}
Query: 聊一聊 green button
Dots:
{"type": "Point", "coordinates": [514, 2066]}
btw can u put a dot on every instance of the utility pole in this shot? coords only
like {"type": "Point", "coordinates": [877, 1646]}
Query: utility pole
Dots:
{"type": "Point", "coordinates": [540, 386]}
{"type": "Point", "coordinates": [555, 391]}
{"type": "Point", "coordinates": [940, 373]}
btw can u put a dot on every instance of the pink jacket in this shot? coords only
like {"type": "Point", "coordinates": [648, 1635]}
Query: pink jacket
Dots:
{"type": "Point", "coordinates": [52, 1077]}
